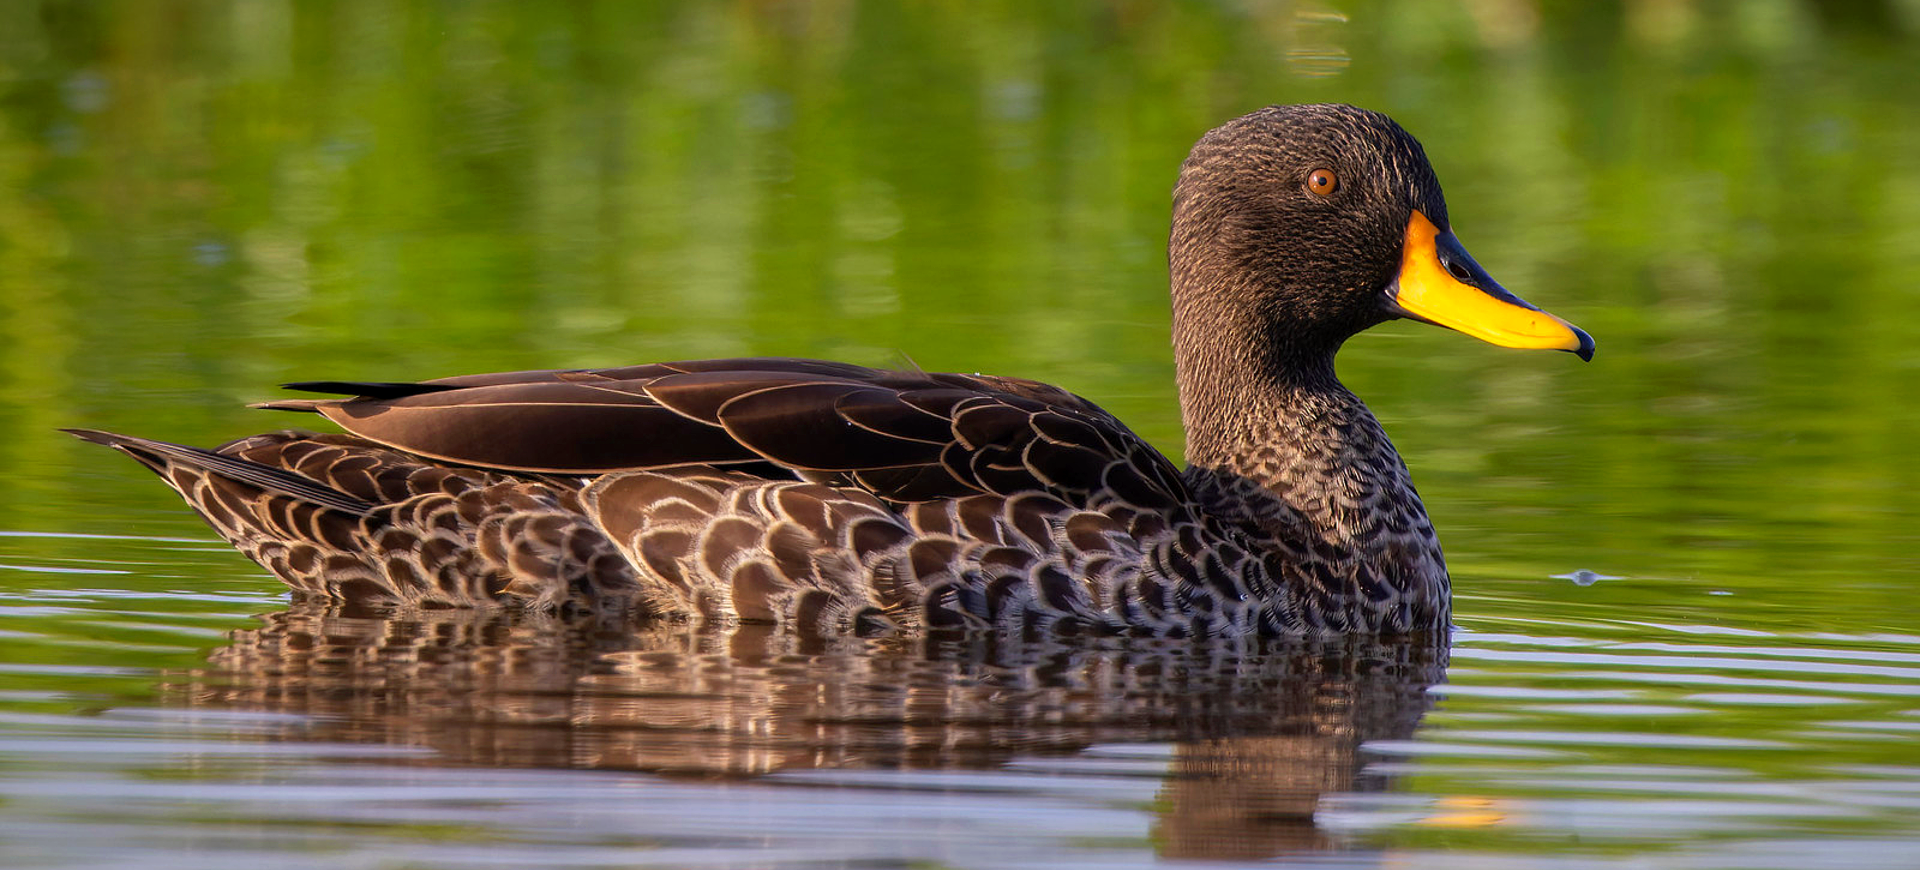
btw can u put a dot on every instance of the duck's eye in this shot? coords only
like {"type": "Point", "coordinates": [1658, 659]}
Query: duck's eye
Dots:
{"type": "Point", "coordinates": [1323, 182]}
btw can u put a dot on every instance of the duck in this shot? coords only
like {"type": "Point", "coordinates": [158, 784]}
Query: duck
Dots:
{"type": "Point", "coordinates": [830, 498]}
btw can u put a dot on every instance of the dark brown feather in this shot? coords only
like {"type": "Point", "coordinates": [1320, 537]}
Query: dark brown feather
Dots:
{"type": "Point", "coordinates": [552, 428]}
{"type": "Point", "coordinates": [800, 426]}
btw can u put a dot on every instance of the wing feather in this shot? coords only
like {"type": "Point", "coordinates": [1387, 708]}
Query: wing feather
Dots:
{"type": "Point", "coordinates": [905, 436]}
{"type": "Point", "coordinates": [580, 437]}
{"type": "Point", "coordinates": [801, 426]}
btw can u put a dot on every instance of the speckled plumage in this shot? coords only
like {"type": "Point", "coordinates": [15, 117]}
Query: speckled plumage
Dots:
{"type": "Point", "coordinates": [834, 498]}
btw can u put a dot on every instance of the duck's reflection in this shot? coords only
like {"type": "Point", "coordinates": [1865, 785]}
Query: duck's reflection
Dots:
{"type": "Point", "coordinates": [1259, 732]}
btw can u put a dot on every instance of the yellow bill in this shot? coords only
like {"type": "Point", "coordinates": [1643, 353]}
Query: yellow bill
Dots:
{"type": "Point", "coordinates": [1440, 284]}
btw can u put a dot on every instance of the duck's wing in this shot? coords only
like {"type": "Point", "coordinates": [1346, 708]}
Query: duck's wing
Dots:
{"type": "Point", "coordinates": [904, 436]}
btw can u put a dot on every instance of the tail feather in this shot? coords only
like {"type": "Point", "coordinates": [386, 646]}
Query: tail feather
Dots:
{"type": "Point", "coordinates": [159, 455]}
{"type": "Point", "coordinates": [347, 519]}
{"type": "Point", "coordinates": [309, 406]}
{"type": "Point", "coordinates": [368, 389]}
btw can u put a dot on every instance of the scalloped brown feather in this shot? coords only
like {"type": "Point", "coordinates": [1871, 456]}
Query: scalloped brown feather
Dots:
{"type": "Point", "coordinates": [896, 500]}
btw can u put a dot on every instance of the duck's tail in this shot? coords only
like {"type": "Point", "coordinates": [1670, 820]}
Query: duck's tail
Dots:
{"type": "Point", "coordinates": [167, 459]}
{"type": "Point", "coordinates": [343, 518]}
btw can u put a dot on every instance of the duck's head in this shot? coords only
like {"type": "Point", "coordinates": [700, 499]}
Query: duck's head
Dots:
{"type": "Point", "coordinates": [1296, 227]}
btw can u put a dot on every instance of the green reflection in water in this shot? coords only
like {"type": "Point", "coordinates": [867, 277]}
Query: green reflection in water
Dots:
{"type": "Point", "coordinates": [210, 198]}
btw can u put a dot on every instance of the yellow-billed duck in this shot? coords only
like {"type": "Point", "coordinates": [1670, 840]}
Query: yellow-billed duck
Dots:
{"type": "Point", "coordinates": [830, 497]}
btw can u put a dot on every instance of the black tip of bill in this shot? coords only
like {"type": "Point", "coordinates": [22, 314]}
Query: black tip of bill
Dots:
{"type": "Point", "coordinates": [1585, 350]}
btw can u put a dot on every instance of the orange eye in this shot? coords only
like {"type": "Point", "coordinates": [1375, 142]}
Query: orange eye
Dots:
{"type": "Point", "coordinates": [1323, 182]}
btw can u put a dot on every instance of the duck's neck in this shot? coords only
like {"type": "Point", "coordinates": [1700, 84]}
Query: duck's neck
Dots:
{"type": "Point", "coordinates": [1265, 411]}
{"type": "Point", "coordinates": [1257, 401]}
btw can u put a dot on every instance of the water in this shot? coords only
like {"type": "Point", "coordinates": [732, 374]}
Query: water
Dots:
{"type": "Point", "coordinates": [1683, 571]}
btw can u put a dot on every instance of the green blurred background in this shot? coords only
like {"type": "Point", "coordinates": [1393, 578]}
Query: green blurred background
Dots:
{"type": "Point", "coordinates": [199, 200]}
